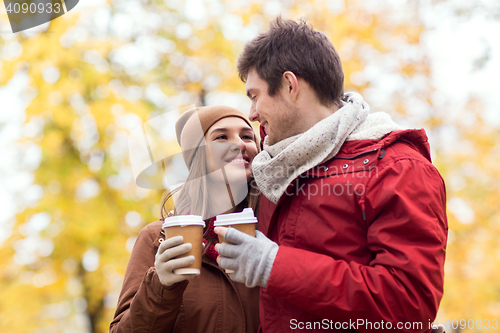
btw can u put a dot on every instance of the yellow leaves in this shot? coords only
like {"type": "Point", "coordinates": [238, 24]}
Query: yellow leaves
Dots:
{"type": "Point", "coordinates": [53, 144]}
{"type": "Point", "coordinates": [415, 68]}
{"type": "Point", "coordinates": [7, 71]}
{"type": "Point", "coordinates": [410, 32]}
{"type": "Point", "coordinates": [22, 308]}
{"type": "Point", "coordinates": [88, 206]}
{"type": "Point", "coordinates": [472, 183]}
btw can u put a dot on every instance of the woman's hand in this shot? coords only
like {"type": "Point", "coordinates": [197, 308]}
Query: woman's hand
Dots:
{"type": "Point", "coordinates": [165, 262]}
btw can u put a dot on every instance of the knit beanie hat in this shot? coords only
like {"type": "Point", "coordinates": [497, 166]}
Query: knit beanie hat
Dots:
{"type": "Point", "coordinates": [194, 124]}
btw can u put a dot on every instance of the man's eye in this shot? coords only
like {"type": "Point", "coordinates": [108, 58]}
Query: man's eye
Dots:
{"type": "Point", "coordinates": [253, 98]}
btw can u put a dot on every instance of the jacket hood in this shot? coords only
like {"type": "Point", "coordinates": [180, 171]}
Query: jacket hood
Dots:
{"type": "Point", "coordinates": [415, 138]}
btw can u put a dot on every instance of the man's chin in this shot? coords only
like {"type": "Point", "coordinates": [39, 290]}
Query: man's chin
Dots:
{"type": "Point", "coordinates": [271, 141]}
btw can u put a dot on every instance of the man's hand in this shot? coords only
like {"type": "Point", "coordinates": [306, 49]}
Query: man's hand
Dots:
{"type": "Point", "coordinates": [165, 264]}
{"type": "Point", "coordinates": [251, 258]}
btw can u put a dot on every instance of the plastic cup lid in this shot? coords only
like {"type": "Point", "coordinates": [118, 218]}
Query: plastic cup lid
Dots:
{"type": "Point", "coordinates": [246, 216]}
{"type": "Point", "coordinates": [183, 220]}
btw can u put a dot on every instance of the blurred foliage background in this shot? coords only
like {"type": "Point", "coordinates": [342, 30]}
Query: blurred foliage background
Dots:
{"type": "Point", "coordinates": [71, 91]}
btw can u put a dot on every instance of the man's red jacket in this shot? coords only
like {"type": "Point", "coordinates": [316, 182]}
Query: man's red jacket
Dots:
{"type": "Point", "coordinates": [362, 239]}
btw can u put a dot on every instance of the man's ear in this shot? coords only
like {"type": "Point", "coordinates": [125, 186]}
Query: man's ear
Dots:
{"type": "Point", "coordinates": [291, 85]}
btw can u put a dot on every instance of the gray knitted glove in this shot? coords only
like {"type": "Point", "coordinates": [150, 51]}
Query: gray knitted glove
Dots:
{"type": "Point", "coordinates": [251, 258]}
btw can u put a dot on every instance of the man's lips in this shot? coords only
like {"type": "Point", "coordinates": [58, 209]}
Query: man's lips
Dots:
{"type": "Point", "coordinates": [265, 124]}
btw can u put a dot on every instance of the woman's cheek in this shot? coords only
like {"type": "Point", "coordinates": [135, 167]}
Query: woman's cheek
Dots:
{"type": "Point", "coordinates": [219, 151]}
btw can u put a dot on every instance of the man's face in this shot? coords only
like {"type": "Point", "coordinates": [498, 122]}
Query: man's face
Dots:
{"type": "Point", "coordinates": [275, 113]}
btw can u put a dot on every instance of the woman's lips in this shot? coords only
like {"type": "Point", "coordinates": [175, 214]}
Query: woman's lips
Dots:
{"type": "Point", "coordinates": [239, 161]}
{"type": "Point", "coordinates": [238, 157]}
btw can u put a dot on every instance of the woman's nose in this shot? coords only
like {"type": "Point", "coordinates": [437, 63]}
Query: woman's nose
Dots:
{"type": "Point", "coordinates": [240, 145]}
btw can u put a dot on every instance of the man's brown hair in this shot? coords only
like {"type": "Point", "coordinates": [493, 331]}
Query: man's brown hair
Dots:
{"type": "Point", "coordinates": [296, 47]}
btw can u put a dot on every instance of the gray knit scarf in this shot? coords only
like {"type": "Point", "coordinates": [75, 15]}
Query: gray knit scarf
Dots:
{"type": "Point", "coordinates": [278, 165]}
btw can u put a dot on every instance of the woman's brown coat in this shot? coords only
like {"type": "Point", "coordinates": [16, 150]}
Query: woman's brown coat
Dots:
{"type": "Point", "coordinates": [210, 302]}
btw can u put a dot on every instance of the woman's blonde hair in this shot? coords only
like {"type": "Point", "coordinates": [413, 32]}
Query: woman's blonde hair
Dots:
{"type": "Point", "coordinates": [193, 198]}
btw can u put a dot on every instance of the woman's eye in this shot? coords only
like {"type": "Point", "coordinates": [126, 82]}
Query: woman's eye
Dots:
{"type": "Point", "coordinates": [221, 137]}
{"type": "Point", "coordinates": [247, 137]}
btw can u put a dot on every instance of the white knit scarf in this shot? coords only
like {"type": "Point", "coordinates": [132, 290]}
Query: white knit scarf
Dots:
{"type": "Point", "coordinates": [278, 165]}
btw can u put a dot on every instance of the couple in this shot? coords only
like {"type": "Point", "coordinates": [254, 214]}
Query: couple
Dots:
{"type": "Point", "coordinates": [351, 218]}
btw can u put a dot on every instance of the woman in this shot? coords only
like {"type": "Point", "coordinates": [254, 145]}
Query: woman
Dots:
{"type": "Point", "coordinates": [218, 155]}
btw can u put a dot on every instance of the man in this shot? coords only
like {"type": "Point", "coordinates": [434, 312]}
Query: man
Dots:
{"type": "Point", "coordinates": [352, 219]}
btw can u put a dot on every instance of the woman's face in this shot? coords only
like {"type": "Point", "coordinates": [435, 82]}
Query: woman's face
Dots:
{"type": "Point", "coordinates": [231, 146]}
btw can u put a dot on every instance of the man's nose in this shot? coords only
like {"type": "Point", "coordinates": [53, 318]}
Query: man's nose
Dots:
{"type": "Point", "coordinates": [253, 115]}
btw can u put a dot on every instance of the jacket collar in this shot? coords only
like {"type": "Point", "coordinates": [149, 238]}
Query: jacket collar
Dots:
{"type": "Point", "coordinates": [416, 138]}
{"type": "Point", "coordinates": [363, 154]}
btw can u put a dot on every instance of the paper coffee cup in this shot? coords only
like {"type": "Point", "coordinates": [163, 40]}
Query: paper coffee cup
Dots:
{"type": "Point", "coordinates": [244, 221]}
{"type": "Point", "coordinates": [190, 227]}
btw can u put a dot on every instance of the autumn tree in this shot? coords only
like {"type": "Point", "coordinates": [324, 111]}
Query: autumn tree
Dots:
{"type": "Point", "coordinates": [94, 75]}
